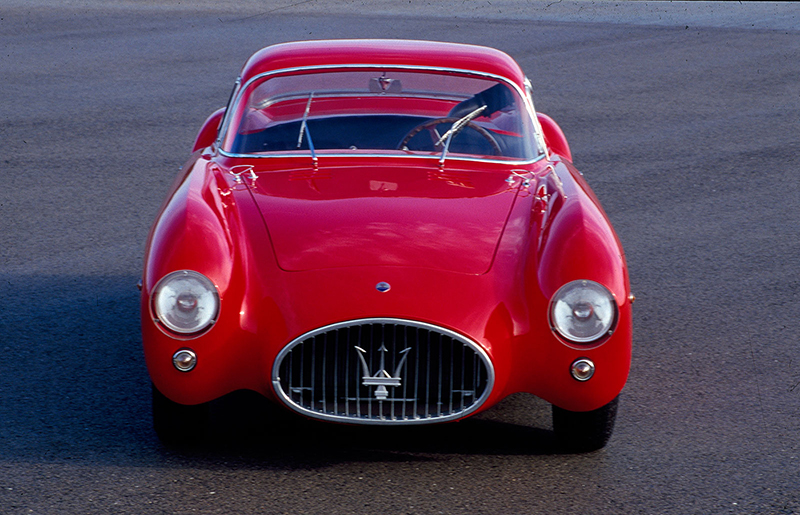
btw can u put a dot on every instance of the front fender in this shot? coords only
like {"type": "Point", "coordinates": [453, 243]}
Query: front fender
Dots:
{"type": "Point", "coordinates": [196, 230]}
{"type": "Point", "coordinates": [193, 217]}
{"type": "Point", "coordinates": [576, 241]}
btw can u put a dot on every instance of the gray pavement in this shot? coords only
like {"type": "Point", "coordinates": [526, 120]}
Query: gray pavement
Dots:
{"type": "Point", "coordinates": [732, 14]}
{"type": "Point", "coordinates": [683, 117]}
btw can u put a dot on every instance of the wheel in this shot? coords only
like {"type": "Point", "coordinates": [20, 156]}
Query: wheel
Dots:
{"type": "Point", "coordinates": [584, 431]}
{"type": "Point", "coordinates": [178, 424]}
{"type": "Point", "coordinates": [431, 126]}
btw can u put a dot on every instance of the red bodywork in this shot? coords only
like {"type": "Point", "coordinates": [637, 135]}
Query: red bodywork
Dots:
{"type": "Point", "coordinates": [477, 246]}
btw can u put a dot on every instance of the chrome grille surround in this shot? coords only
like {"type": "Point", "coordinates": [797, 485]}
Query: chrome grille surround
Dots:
{"type": "Point", "coordinates": [383, 371]}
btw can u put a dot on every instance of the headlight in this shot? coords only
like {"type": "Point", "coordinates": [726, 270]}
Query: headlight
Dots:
{"type": "Point", "coordinates": [186, 302]}
{"type": "Point", "coordinates": [583, 311]}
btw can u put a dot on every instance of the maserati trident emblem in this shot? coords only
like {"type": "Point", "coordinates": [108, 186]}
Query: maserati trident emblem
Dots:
{"type": "Point", "coordinates": [382, 379]}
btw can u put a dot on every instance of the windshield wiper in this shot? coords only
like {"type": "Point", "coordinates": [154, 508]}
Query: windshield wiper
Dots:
{"type": "Point", "coordinates": [304, 130]}
{"type": "Point", "coordinates": [455, 129]}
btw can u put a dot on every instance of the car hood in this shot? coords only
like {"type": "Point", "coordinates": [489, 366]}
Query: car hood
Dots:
{"type": "Point", "coordinates": [401, 215]}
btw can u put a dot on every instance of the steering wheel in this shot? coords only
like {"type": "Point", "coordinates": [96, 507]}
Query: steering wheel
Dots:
{"type": "Point", "coordinates": [431, 126]}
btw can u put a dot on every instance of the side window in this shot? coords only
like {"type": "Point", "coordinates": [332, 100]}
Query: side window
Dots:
{"type": "Point", "coordinates": [229, 109]}
{"type": "Point", "coordinates": [537, 128]}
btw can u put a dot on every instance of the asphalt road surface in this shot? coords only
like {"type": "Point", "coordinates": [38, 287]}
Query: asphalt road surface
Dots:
{"type": "Point", "coordinates": [684, 119]}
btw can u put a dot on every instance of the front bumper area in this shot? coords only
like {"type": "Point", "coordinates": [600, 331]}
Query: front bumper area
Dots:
{"type": "Point", "coordinates": [383, 371]}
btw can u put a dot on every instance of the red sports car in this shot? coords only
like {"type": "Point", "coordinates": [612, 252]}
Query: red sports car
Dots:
{"type": "Point", "coordinates": [385, 232]}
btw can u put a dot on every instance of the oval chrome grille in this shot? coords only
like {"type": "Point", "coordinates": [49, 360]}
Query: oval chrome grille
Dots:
{"type": "Point", "coordinates": [383, 371]}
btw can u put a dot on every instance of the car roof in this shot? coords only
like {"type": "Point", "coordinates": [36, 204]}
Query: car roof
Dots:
{"type": "Point", "coordinates": [383, 52]}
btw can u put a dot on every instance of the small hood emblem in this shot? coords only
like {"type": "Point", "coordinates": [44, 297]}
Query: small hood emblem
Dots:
{"type": "Point", "coordinates": [383, 287]}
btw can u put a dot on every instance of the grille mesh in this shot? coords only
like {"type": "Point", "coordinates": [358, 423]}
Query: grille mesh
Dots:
{"type": "Point", "coordinates": [383, 371]}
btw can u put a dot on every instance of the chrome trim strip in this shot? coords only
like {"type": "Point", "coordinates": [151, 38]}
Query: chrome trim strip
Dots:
{"type": "Point", "coordinates": [524, 95]}
{"type": "Point", "coordinates": [348, 94]}
{"type": "Point", "coordinates": [342, 153]}
{"type": "Point", "coordinates": [357, 418]}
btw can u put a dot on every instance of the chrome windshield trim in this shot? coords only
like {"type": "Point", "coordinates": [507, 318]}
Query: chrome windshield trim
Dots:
{"type": "Point", "coordinates": [523, 94]}
{"type": "Point", "coordinates": [345, 94]}
{"type": "Point", "coordinates": [343, 153]}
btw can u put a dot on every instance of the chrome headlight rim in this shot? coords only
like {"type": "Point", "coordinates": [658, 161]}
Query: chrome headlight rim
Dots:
{"type": "Point", "coordinates": [210, 309]}
{"type": "Point", "coordinates": [604, 302]}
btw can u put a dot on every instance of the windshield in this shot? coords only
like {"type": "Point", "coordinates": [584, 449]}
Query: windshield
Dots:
{"type": "Point", "coordinates": [392, 111]}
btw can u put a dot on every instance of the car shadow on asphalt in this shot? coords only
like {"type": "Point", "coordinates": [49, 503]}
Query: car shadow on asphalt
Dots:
{"type": "Point", "coordinates": [245, 426]}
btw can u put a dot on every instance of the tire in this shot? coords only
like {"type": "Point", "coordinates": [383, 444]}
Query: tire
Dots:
{"type": "Point", "coordinates": [584, 431]}
{"type": "Point", "coordinates": [176, 424]}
